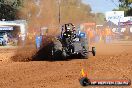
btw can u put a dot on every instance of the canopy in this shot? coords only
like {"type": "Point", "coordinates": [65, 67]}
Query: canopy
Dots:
{"type": "Point", "coordinates": [6, 28]}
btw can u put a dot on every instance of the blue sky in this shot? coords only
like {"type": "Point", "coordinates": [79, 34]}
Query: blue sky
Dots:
{"type": "Point", "coordinates": [101, 5]}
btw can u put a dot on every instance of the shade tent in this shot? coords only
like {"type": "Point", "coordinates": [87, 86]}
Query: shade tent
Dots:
{"type": "Point", "coordinates": [126, 23]}
{"type": "Point", "coordinates": [6, 28]}
{"type": "Point", "coordinates": [8, 25]}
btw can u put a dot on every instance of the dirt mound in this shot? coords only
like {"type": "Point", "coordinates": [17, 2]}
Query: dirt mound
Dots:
{"type": "Point", "coordinates": [24, 54]}
{"type": "Point", "coordinates": [29, 52]}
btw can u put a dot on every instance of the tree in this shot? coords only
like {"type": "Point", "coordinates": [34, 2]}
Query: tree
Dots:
{"type": "Point", "coordinates": [126, 5]}
{"type": "Point", "coordinates": [75, 11]}
{"type": "Point", "coordinates": [47, 12]}
{"type": "Point", "coordinates": [99, 18]}
{"type": "Point", "coordinates": [9, 9]}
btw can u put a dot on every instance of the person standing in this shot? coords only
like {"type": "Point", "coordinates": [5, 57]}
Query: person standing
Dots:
{"type": "Point", "coordinates": [5, 37]}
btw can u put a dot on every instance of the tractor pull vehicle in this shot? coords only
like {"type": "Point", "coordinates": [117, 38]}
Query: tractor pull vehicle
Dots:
{"type": "Point", "coordinates": [70, 42]}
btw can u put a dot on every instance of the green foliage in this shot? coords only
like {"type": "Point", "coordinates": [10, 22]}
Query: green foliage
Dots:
{"type": "Point", "coordinates": [99, 18]}
{"type": "Point", "coordinates": [126, 5]}
{"type": "Point", "coordinates": [9, 9]}
{"type": "Point", "coordinates": [76, 11]}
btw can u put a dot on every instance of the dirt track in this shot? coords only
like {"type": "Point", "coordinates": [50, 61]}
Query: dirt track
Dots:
{"type": "Point", "coordinates": [113, 61]}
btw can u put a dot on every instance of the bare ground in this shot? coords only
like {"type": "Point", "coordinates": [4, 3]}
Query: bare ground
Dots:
{"type": "Point", "coordinates": [113, 61]}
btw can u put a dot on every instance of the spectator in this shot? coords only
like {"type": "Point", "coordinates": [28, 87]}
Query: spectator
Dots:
{"type": "Point", "coordinates": [5, 38]}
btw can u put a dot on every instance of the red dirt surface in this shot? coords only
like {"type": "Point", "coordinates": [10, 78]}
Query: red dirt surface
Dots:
{"type": "Point", "coordinates": [113, 61]}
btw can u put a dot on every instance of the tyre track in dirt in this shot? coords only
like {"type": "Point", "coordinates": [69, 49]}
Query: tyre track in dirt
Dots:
{"type": "Point", "coordinates": [113, 61]}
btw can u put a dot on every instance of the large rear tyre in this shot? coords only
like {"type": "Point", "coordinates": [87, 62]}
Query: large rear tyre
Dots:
{"type": "Point", "coordinates": [64, 55]}
{"type": "Point", "coordinates": [84, 53]}
{"type": "Point", "coordinates": [84, 56]}
{"type": "Point", "coordinates": [56, 50]}
{"type": "Point", "coordinates": [85, 49]}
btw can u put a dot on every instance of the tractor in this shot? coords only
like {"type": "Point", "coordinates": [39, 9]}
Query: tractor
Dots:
{"type": "Point", "coordinates": [71, 41]}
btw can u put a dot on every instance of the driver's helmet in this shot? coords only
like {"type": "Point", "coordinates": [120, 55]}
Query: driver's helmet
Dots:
{"type": "Point", "coordinates": [68, 29]}
{"type": "Point", "coordinates": [73, 26]}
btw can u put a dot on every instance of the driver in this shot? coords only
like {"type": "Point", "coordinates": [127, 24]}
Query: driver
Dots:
{"type": "Point", "coordinates": [5, 38]}
{"type": "Point", "coordinates": [67, 33]}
